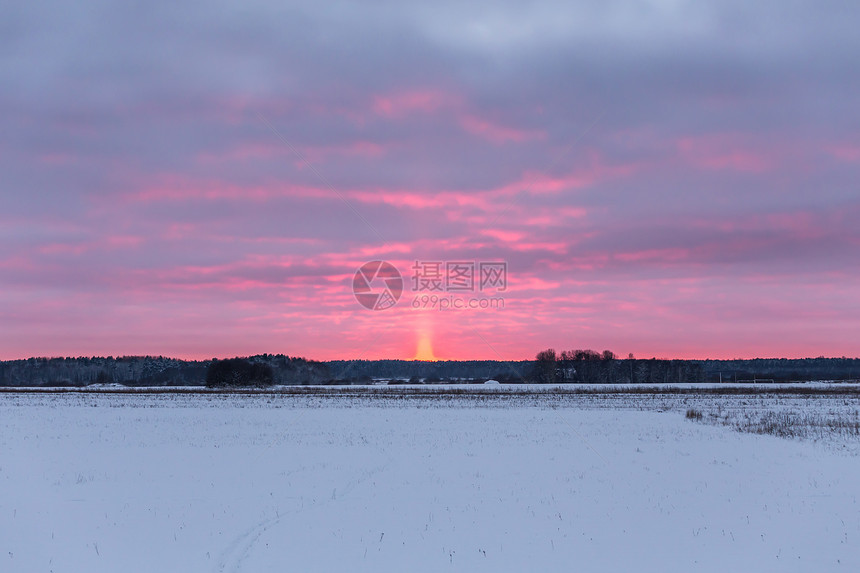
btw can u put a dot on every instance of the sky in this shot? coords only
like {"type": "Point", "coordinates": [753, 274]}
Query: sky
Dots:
{"type": "Point", "coordinates": [663, 178]}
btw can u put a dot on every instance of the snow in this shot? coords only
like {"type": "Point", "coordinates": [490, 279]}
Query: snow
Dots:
{"type": "Point", "coordinates": [110, 386]}
{"type": "Point", "coordinates": [125, 482]}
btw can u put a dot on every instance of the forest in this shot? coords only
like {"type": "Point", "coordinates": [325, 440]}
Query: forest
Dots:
{"type": "Point", "coordinates": [548, 367]}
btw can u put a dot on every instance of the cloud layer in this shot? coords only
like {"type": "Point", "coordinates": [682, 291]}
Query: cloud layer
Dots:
{"type": "Point", "coordinates": [667, 178]}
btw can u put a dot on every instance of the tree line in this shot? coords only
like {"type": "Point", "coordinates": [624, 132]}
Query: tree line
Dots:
{"type": "Point", "coordinates": [261, 370]}
{"type": "Point", "coordinates": [549, 366]}
{"type": "Point", "coordinates": [589, 366]}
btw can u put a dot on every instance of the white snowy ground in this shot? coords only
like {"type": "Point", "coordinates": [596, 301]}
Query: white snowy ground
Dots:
{"type": "Point", "coordinates": [129, 483]}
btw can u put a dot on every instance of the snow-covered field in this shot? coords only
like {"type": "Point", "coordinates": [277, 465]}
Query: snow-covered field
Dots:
{"type": "Point", "coordinates": [210, 483]}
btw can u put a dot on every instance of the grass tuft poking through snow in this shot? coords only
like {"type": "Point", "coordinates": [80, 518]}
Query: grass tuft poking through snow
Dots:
{"type": "Point", "coordinates": [787, 424]}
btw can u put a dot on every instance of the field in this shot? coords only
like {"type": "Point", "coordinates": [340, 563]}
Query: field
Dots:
{"type": "Point", "coordinates": [397, 481]}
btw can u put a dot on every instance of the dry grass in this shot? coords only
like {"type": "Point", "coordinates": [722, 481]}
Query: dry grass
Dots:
{"type": "Point", "coordinates": [786, 424]}
{"type": "Point", "coordinates": [693, 414]}
{"type": "Point", "coordinates": [431, 390]}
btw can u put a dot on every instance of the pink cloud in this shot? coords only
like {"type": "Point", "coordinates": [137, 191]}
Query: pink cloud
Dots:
{"type": "Point", "coordinates": [596, 171]}
{"type": "Point", "coordinates": [105, 243]}
{"type": "Point", "coordinates": [506, 236]}
{"type": "Point", "coordinates": [312, 153]}
{"type": "Point", "coordinates": [169, 187]}
{"type": "Point", "coordinates": [554, 247]}
{"type": "Point", "coordinates": [172, 189]}
{"type": "Point", "coordinates": [846, 152]}
{"type": "Point", "coordinates": [404, 103]}
{"type": "Point", "coordinates": [123, 241]}
{"type": "Point", "coordinates": [57, 158]}
{"type": "Point", "coordinates": [796, 224]}
{"type": "Point", "coordinates": [556, 216]}
{"type": "Point", "coordinates": [519, 284]}
{"type": "Point", "coordinates": [245, 152]}
{"type": "Point", "coordinates": [725, 152]}
{"type": "Point", "coordinates": [662, 255]}
{"type": "Point", "coordinates": [387, 249]}
{"type": "Point", "coordinates": [496, 133]}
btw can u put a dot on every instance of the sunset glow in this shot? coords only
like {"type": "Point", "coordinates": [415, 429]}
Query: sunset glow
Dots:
{"type": "Point", "coordinates": [651, 190]}
{"type": "Point", "coordinates": [425, 348]}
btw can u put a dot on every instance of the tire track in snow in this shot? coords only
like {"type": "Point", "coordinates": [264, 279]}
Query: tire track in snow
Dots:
{"type": "Point", "coordinates": [242, 546]}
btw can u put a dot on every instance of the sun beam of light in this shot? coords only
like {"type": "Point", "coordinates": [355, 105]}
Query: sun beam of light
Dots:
{"type": "Point", "coordinates": [425, 347]}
